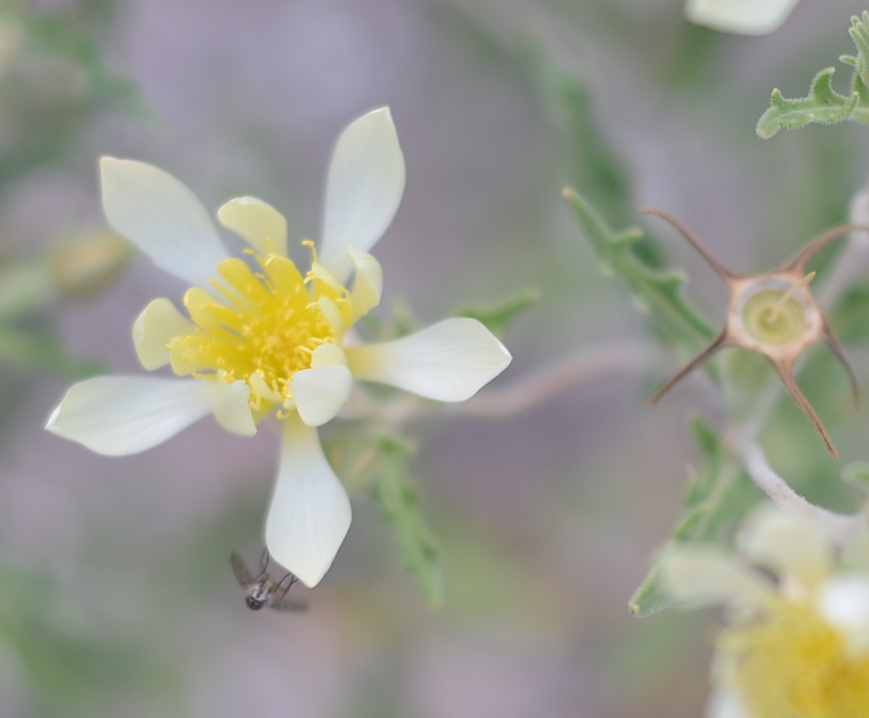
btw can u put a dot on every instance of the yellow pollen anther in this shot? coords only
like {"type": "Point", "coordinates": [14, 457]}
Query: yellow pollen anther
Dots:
{"type": "Point", "coordinates": [263, 329]}
{"type": "Point", "coordinates": [790, 663]}
{"type": "Point", "coordinates": [804, 282]}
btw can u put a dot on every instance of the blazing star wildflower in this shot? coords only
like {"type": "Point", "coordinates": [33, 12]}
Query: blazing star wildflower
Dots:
{"type": "Point", "coordinates": [269, 341]}
{"type": "Point", "coordinates": [742, 17]}
{"type": "Point", "coordinates": [795, 646]}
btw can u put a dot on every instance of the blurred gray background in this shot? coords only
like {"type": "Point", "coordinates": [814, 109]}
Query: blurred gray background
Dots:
{"type": "Point", "coordinates": [120, 599]}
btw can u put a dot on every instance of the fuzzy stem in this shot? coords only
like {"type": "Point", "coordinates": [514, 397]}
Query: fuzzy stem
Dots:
{"type": "Point", "coordinates": [582, 366]}
{"type": "Point", "coordinates": [841, 526]}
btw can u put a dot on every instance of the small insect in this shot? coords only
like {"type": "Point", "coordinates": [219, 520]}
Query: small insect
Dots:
{"type": "Point", "coordinates": [262, 590]}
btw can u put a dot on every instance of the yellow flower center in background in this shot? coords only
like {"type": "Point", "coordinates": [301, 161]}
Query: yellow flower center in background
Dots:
{"type": "Point", "coordinates": [791, 664]}
{"type": "Point", "coordinates": [265, 329]}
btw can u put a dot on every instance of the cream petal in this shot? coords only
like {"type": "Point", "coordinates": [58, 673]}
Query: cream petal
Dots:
{"type": "Point", "coordinates": [332, 314]}
{"type": "Point", "coordinates": [310, 511]}
{"type": "Point", "coordinates": [264, 228]}
{"type": "Point", "coordinates": [368, 284]}
{"type": "Point", "coordinates": [795, 550]}
{"type": "Point", "coordinates": [363, 189]}
{"type": "Point", "coordinates": [321, 393]}
{"type": "Point", "coordinates": [261, 387]}
{"type": "Point", "coordinates": [325, 275]}
{"type": "Point", "coordinates": [743, 17]}
{"type": "Point", "coordinates": [158, 324]}
{"type": "Point", "coordinates": [229, 402]}
{"type": "Point", "coordinates": [448, 361]}
{"type": "Point", "coordinates": [120, 415]}
{"type": "Point", "coordinates": [695, 575]}
{"type": "Point", "coordinates": [328, 354]}
{"type": "Point", "coordinates": [163, 218]}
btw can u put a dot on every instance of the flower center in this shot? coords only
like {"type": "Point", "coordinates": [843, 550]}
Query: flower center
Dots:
{"type": "Point", "coordinates": [264, 330]}
{"type": "Point", "coordinates": [772, 317]}
{"type": "Point", "coordinates": [792, 663]}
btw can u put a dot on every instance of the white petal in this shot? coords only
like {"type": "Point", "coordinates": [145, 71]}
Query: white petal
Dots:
{"type": "Point", "coordinates": [229, 402]}
{"type": "Point", "coordinates": [363, 189]}
{"type": "Point", "coordinates": [158, 324]}
{"type": "Point", "coordinates": [264, 228]}
{"type": "Point", "coordinates": [744, 17]}
{"type": "Point", "coordinates": [120, 415]}
{"type": "Point", "coordinates": [696, 575]}
{"type": "Point", "coordinates": [844, 603]}
{"type": "Point", "coordinates": [163, 218]}
{"type": "Point", "coordinates": [448, 361]}
{"type": "Point", "coordinates": [321, 393]}
{"type": "Point", "coordinates": [795, 550]}
{"type": "Point", "coordinates": [725, 705]}
{"type": "Point", "coordinates": [310, 512]}
{"type": "Point", "coordinates": [328, 354]}
{"type": "Point", "coordinates": [368, 284]}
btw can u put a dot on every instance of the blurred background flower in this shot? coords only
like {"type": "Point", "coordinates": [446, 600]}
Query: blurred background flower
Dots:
{"type": "Point", "coordinates": [745, 17]}
{"type": "Point", "coordinates": [116, 594]}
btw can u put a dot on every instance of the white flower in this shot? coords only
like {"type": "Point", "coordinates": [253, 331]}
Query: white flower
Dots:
{"type": "Point", "coordinates": [796, 645]}
{"type": "Point", "coordinates": [269, 343]}
{"type": "Point", "coordinates": [742, 17]}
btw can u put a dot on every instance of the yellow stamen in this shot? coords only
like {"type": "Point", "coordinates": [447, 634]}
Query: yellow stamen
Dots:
{"type": "Point", "coordinates": [264, 328]}
{"type": "Point", "coordinates": [804, 282]}
{"type": "Point", "coordinates": [790, 663]}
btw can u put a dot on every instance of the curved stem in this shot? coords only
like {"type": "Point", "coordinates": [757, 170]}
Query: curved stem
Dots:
{"type": "Point", "coordinates": [582, 366]}
{"type": "Point", "coordinates": [841, 526]}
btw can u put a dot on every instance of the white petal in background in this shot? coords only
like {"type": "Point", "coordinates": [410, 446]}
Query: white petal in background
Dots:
{"type": "Point", "coordinates": [363, 189]}
{"type": "Point", "coordinates": [742, 17]}
{"type": "Point", "coordinates": [120, 415]}
{"type": "Point", "coordinates": [320, 393]}
{"type": "Point", "coordinates": [448, 361]}
{"type": "Point", "coordinates": [158, 324]}
{"type": "Point", "coordinates": [256, 221]}
{"type": "Point", "coordinates": [163, 218]}
{"type": "Point", "coordinates": [310, 512]}
{"type": "Point", "coordinates": [700, 576]}
{"type": "Point", "coordinates": [792, 549]}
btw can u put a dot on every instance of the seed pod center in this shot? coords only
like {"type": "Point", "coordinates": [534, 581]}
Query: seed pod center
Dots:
{"type": "Point", "coordinates": [772, 317]}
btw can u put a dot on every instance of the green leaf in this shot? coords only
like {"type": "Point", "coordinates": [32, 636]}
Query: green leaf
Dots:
{"type": "Point", "coordinates": [498, 317]}
{"type": "Point", "coordinates": [823, 106]}
{"type": "Point", "coordinates": [398, 500]}
{"type": "Point", "coordinates": [587, 150]}
{"type": "Point", "coordinates": [717, 500]}
{"type": "Point", "coordinates": [859, 33]}
{"type": "Point", "coordinates": [659, 293]}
